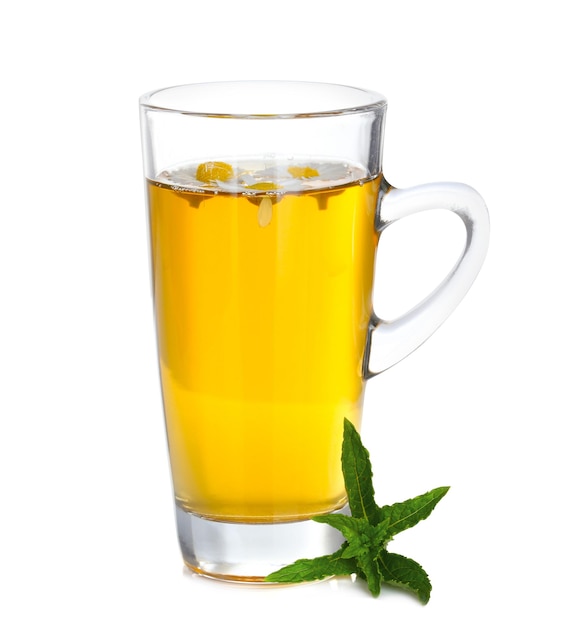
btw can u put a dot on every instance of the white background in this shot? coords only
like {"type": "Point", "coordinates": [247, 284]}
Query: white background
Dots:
{"type": "Point", "coordinates": [487, 93]}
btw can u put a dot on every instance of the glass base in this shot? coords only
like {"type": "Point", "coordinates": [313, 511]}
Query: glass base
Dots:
{"type": "Point", "coordinates": [249, 552]}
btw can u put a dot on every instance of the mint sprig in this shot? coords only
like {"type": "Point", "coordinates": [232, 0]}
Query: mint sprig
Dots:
{"type": "Point", "coordinates": [367, 532]}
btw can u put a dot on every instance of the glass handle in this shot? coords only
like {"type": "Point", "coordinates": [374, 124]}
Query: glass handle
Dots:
{"type": "Point", "coordinates": [391, 341]}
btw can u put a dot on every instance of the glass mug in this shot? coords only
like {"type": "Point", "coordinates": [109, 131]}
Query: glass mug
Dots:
{"type": "Point", "coordinates": [266, 203]}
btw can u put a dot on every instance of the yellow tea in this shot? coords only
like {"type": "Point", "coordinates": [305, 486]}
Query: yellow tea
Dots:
{"type": "Point", "coordinates": [263, 294]}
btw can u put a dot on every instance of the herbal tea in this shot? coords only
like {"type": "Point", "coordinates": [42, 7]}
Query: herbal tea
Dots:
{"type": "Point", "coordinates": [262, 276]}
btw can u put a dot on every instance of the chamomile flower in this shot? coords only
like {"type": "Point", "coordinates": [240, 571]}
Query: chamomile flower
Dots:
{"type": "Point", "coordinates": [270, 176]}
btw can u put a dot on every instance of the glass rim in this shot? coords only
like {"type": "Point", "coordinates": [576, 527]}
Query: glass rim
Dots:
{"type": "Point", "coordinates": [357, 100]}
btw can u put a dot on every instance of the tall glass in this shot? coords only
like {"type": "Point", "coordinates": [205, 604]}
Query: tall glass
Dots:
{"type": "Point", "coordinates": [266, 203]}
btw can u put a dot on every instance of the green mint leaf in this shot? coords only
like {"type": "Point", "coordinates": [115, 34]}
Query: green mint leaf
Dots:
{"type": "Point", "coordinates": [354, 550]}
{"type": "Point", "coordinates": [370, 571]}
{"type": "Point", "coordinates": [402, 515]}
{"type": "Point", "coordinates": [367, 531]}
{"type": "Point", "coordinates": [357, 471]}
{"type": "Point", "coordinates": [314, 569]}
{"type": "Point", "coordinates": [399, 571]}
{"type": "Point", "coordinates": [353, 528]}
{"type": "Point", "coordinates": [358, 533]}
{"type": "Point", "coordinates": [365, 544]}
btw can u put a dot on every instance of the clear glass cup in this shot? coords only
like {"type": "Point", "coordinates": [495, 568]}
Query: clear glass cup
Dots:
{"type": "Point", "coordinates": [266, 204]}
